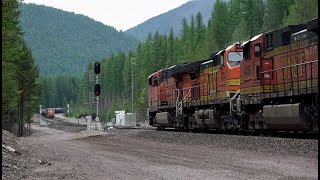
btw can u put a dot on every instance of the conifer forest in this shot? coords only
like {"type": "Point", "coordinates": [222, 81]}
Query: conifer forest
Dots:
{"type": "Point", "coordinates": [24, 88]}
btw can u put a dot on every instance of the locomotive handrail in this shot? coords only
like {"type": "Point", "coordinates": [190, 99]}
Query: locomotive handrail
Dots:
{"type": "Point", "coordinates": [178, 106]}
{"type": "Point", "coordinates": [309, 62]}
{"type": "Point", "coordinates": [291, 79]}
{"type": "Point", "coordinates": [231, 99]}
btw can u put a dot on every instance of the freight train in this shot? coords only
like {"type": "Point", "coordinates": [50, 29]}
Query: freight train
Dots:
{"type": "Point", "coordinates": [269, 82]}
{"type": "Point", "coordinates": [48, 112]}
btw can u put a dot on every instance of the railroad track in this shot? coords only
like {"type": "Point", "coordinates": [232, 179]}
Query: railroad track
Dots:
{"type": "Point", "coordinates": [59, 121]}
{"type": "Point", "coordinates": [281, 134]}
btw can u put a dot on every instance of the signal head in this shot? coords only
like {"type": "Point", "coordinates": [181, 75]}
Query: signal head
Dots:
{"type": "Point", "coordinates": [97, 89]}
{"type": "Point", "coordinates": [97, 68]}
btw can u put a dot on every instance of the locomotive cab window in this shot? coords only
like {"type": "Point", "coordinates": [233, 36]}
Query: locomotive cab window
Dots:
{"type": "Point", "coordinates": [257, 50]}
{"type": "Point", "coordinates": [246, 52]}
{"type": "Point", "coordinates": [215, 60]}
{"type": "Point", "coordinates": [193, 76]}
{"type": "Point", "coordinates": [221, 59]}
{"type": "Point", "coordinates": [155, 82]}
{"type": "Point", "coordinates": [235, 58]}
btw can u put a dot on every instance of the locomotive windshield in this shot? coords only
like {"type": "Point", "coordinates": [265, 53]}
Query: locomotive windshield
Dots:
{"type": "Point", "coordinates": [235, 58]}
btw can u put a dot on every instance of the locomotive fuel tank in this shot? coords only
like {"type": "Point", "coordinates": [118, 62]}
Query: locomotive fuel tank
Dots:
{"type": "Point", "coordinates": [205, 118]}
{"type": "Point", "coordinates": [285, 117]}
{"type": "Point", "coordinates": [164, 119]}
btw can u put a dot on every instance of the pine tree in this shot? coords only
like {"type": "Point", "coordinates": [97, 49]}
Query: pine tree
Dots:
{"type": "Point", "coordinates": [19, 87]}
{"type": "Point", "coordinates": [275, 11]}
{"type": "Point", "coordinates": [200, 30]}
{"type": "Point", "coordinates": [192, 39]}
{"type": "Point", "coordinates": [219, 25]}
{"type": "Point", "coordinates": [253, 16]}
{"type": "Point", "coordinates": [171, 46]}
{"type": "Point", "coordinates": [27, 73]}
{"type": "Point", "coordinates": [301, 11]}
{"type": "Point", "coordinates": [184, 41]}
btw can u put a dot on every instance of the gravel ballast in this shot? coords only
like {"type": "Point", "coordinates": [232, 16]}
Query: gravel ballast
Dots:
{"type": "Point", "coordinates": [151, 154]}
{"type": "Point", "coordinates": [17, 160]}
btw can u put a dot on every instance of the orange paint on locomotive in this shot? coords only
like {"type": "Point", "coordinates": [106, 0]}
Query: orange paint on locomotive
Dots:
{"type": "Point", "coordinates": [296, 63]}
{"type": "Point", "coordinates": [50, 112]}
{"type": "Point", "coordinates": [167, 89]}
{"type": "Point", "coordinates": [253, 64]}
{"type": "Point", "coordinates": [186, 85]}
{"type": "Point", "coordinates": [154, 89]}
{"type": "Point", "coordinates": [222, 74]}
{"type": "Point", "coordinates": [230, 74]}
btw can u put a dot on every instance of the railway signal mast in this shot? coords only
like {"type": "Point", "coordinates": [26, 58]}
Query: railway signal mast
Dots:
{"type": "Point", "coordinates": [40, 115]}
{"type": "Point", "coordinates": [97, 88]}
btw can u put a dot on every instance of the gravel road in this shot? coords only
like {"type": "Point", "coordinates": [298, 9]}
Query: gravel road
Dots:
{"type": "Point", "coordinates": [149, 154]}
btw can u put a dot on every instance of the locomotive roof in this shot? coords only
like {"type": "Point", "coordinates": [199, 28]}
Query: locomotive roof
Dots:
{"type": "Point", "coordinates": [219, 52]}
{"type": "Point", "coordinates": [211, 62]}
{"type": "Point", "coordinates": [305, 30]}
{"type": "Point", "coordinates": [292, 28]}
{"type": "Point", "coordinates": [206, 64]}
{"type": "Point", "coordinates": [187, 67]}
{"type": "Point", "coordinates": [277, 35]}
{"type": "Point", "coordinates": [229, 47]}
{"type": "Point", "coordinates": [304, 34]}
{"type": "Point", "coordinates": [213, 54]}
{"type": "Point", "coordinates": [244, 43]}
{"type": "Point", "coordinates": [252, 39]}
{"type": "Point", "coordinates": [151, 75]}
{"type": "Point", "coordinates": [312, 25]}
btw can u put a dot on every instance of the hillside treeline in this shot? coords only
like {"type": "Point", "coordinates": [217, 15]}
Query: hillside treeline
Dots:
{"type": "Point", "coordinates": [20, 89]}
{"type": "Point", "coordinates": [232, 21]}
{"type": "Point", "coordinates": [58, 91]}
{"type": "Point", "coordinates": [171, 19]}
{"type": "Point", "coordinates": [63, 43]}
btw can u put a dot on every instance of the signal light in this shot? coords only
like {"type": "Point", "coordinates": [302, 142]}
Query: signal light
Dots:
{"type": "Point", "coordinates": [97, 89]}
{"type": "Point", "coordinates": [97, 68]}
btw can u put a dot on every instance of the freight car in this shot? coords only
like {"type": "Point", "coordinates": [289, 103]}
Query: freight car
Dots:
{"type": "Point", "coordinates": [48, 113]}
{"type": "Point", "coordinates": [58, 110]}
{"type": "Point", "coordinates": [267, 83]}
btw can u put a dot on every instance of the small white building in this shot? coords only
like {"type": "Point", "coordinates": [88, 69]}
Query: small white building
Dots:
{"type": "Point", "coordinates": [131, 120]}
{"type": "Point", "coordinates": [125, 119]}
{"type": "Point", "coordinates": [120, 118]}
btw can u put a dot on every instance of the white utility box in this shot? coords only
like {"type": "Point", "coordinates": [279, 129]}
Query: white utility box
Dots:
{"type": "Point", "coordinates": [130, 120]}
{"type": "Point", "coordinates": [125, 119]}
{"type": "Point", "coordinates": [120, 118]}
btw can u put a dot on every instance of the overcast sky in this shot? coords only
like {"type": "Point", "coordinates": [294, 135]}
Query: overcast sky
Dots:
{"type": "Point", "coordinates": [120, 14]}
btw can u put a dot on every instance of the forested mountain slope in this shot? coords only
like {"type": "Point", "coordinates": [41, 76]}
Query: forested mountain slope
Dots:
{"type": "Point", "coordinates": [64, 42]}
{"type": "Point", "coordinates": [172, 18]}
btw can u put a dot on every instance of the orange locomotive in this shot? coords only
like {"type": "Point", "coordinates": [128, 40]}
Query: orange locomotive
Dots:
{"type": "Point", "coordinates": [279, 79]}
{"type": "Point", "coordinates": [268, 82]}
{"type": "Point", "coordinates": [184, 93]}
{"type": "Point", "coordinates": [48, 112]}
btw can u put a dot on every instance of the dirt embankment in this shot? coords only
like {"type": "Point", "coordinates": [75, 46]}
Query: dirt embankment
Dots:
{"type": "Point", "coordinates": [150, 154]}
{"type": "Point", "coordinates": [17, 160]}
